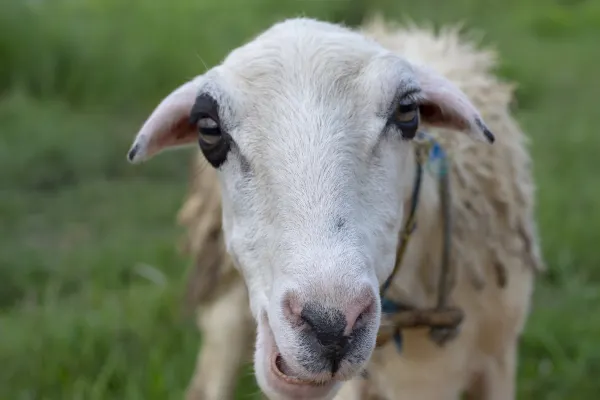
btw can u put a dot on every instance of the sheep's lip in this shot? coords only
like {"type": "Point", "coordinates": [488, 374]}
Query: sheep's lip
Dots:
{"type": "Point", "coordinates": [285, 386]}
{"type": "Point", "coordinates": [277, 360]}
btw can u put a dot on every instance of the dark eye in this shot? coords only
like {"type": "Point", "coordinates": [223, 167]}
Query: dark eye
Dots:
{"type": "Point", "coordinates": [213, 141]}
{"type": "Point", "coordinates": [406, 119]}
{"type": "Point", "coordinates": [209, 132]}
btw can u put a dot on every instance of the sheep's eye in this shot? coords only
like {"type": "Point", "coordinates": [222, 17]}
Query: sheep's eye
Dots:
{"type": "Point", "coordinates": [406, 113]}
{"type": "Point", "coordinates": [407, 119]}
{"type": "Point", "coordinates": [209, 132]}
{"type": "Point", "coordinates": [212, 140]}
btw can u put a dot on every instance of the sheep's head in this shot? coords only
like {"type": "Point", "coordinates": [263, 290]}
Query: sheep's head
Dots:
{"type": "Point", "coordinates": [309, 126]}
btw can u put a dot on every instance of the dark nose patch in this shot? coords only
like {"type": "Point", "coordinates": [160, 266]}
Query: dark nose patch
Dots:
{"type": "Point", "coordinates": [327, 327]}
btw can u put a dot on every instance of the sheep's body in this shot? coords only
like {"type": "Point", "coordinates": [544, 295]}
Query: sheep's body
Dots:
{"type": "Point", "coordinates": [495, 252]}
{"type": "Point", "coordinates": [216, 289]}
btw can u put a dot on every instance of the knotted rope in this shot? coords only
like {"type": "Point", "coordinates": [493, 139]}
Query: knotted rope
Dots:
{"type": "Point", "coordinates": [442, 320]}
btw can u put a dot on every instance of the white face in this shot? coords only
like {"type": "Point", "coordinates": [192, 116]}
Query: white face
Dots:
{"type": "Point", "coordinates": [309, 127]}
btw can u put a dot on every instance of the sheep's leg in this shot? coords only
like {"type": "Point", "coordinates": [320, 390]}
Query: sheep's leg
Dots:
{"type": "Point", "coordinates": [422, 393]}
{"type": "Point", "coordinates": [497, 382]}
{"type": "Point", "coordinates": [226, 339]}
{"type": "Point", "coordinates": [501, 377]}
{"type": "Point", "coordinates": [358, 389]}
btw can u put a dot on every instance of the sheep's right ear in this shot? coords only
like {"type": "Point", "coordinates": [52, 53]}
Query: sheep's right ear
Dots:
{"type": "Point", "coordinates": [168, 126]}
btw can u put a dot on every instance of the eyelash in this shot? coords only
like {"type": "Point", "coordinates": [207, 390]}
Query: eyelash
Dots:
{"type": "Point", "coordinates": [214, 143]}
{"type": "Point", "coordinates": [408, 128]}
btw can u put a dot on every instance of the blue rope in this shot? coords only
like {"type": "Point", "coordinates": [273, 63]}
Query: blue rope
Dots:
{"type": "Point", "coordinates": [436, 152]}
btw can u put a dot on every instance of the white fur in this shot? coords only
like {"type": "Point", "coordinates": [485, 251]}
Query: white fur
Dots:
{"type": "Point", "coordinates": [304, 103]}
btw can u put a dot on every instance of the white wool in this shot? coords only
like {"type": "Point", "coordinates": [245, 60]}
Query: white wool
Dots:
{"type": "Point", "coordinates": [495, 251]}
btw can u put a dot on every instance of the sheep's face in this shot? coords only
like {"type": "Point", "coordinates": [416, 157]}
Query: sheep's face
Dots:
{"type": "Point", "coordinates": [310, 128]}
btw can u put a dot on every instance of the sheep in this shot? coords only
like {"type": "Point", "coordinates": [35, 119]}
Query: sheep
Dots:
{"type": "Point", "coordinates": [311, 132]}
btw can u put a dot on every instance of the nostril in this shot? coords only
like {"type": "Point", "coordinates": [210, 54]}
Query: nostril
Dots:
{"type": "Point", "coordinates": [325, 327]}
{"type": "Point", "coordinates": [292, 309]}
{"type": "Point", "coordinates": [359, 320]}
{"type": "Point", "coordinates": [361, 311]}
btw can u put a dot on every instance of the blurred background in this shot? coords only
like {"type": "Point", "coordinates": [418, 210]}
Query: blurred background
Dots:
{"type": "Point", "coordinates": [90, 275]}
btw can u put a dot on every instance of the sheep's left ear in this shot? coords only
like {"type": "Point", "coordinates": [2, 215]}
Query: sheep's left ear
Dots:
{"type": "Point", "coordinates": [168, 126]}
{"type": "Point", "coordinates": [443, 104]}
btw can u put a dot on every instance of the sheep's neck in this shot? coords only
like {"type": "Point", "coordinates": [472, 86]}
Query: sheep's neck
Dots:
{"type": "Point", "coordinates": [419, 287]}
{"type": "Point", "coordinates": [418, 266]}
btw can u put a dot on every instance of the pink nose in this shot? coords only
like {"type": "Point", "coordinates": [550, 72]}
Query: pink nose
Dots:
{"type": "Point", "coordinates": [329, 331]}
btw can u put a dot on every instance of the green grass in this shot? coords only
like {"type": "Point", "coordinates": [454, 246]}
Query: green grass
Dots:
{"type": "Point", "coordinates": [90, 277]}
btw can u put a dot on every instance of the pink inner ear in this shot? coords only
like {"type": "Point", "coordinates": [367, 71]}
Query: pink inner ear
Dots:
{"type": "Point", "coordinates": [168, 126]}
{"type": "Point", "coordinates": [180, 133]}
{"type": "Point", "coordinates": [434, 115]}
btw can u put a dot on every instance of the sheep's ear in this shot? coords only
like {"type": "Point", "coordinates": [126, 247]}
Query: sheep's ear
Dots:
{"type": "Point", "coordinates": [443, 104]}
{"type": "Point", "coordinates": [168, 126]}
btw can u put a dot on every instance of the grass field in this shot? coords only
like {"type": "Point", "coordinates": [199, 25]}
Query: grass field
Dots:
{"type": "Point", "coordinates": [90, 276]}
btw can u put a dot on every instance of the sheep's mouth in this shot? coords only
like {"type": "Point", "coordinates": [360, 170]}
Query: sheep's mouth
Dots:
{"type": "Point", "coordinates": [279, 368]}
{"type": "Point", "coordinates": [282, 371]}
{"type": "Point", "coordinates": [282, 379]}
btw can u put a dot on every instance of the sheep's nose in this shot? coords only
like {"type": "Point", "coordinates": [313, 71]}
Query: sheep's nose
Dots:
{"type": "Point", "coordinates": [330, 332]}
{"type": "Point", "coordinates": [328, 327]}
